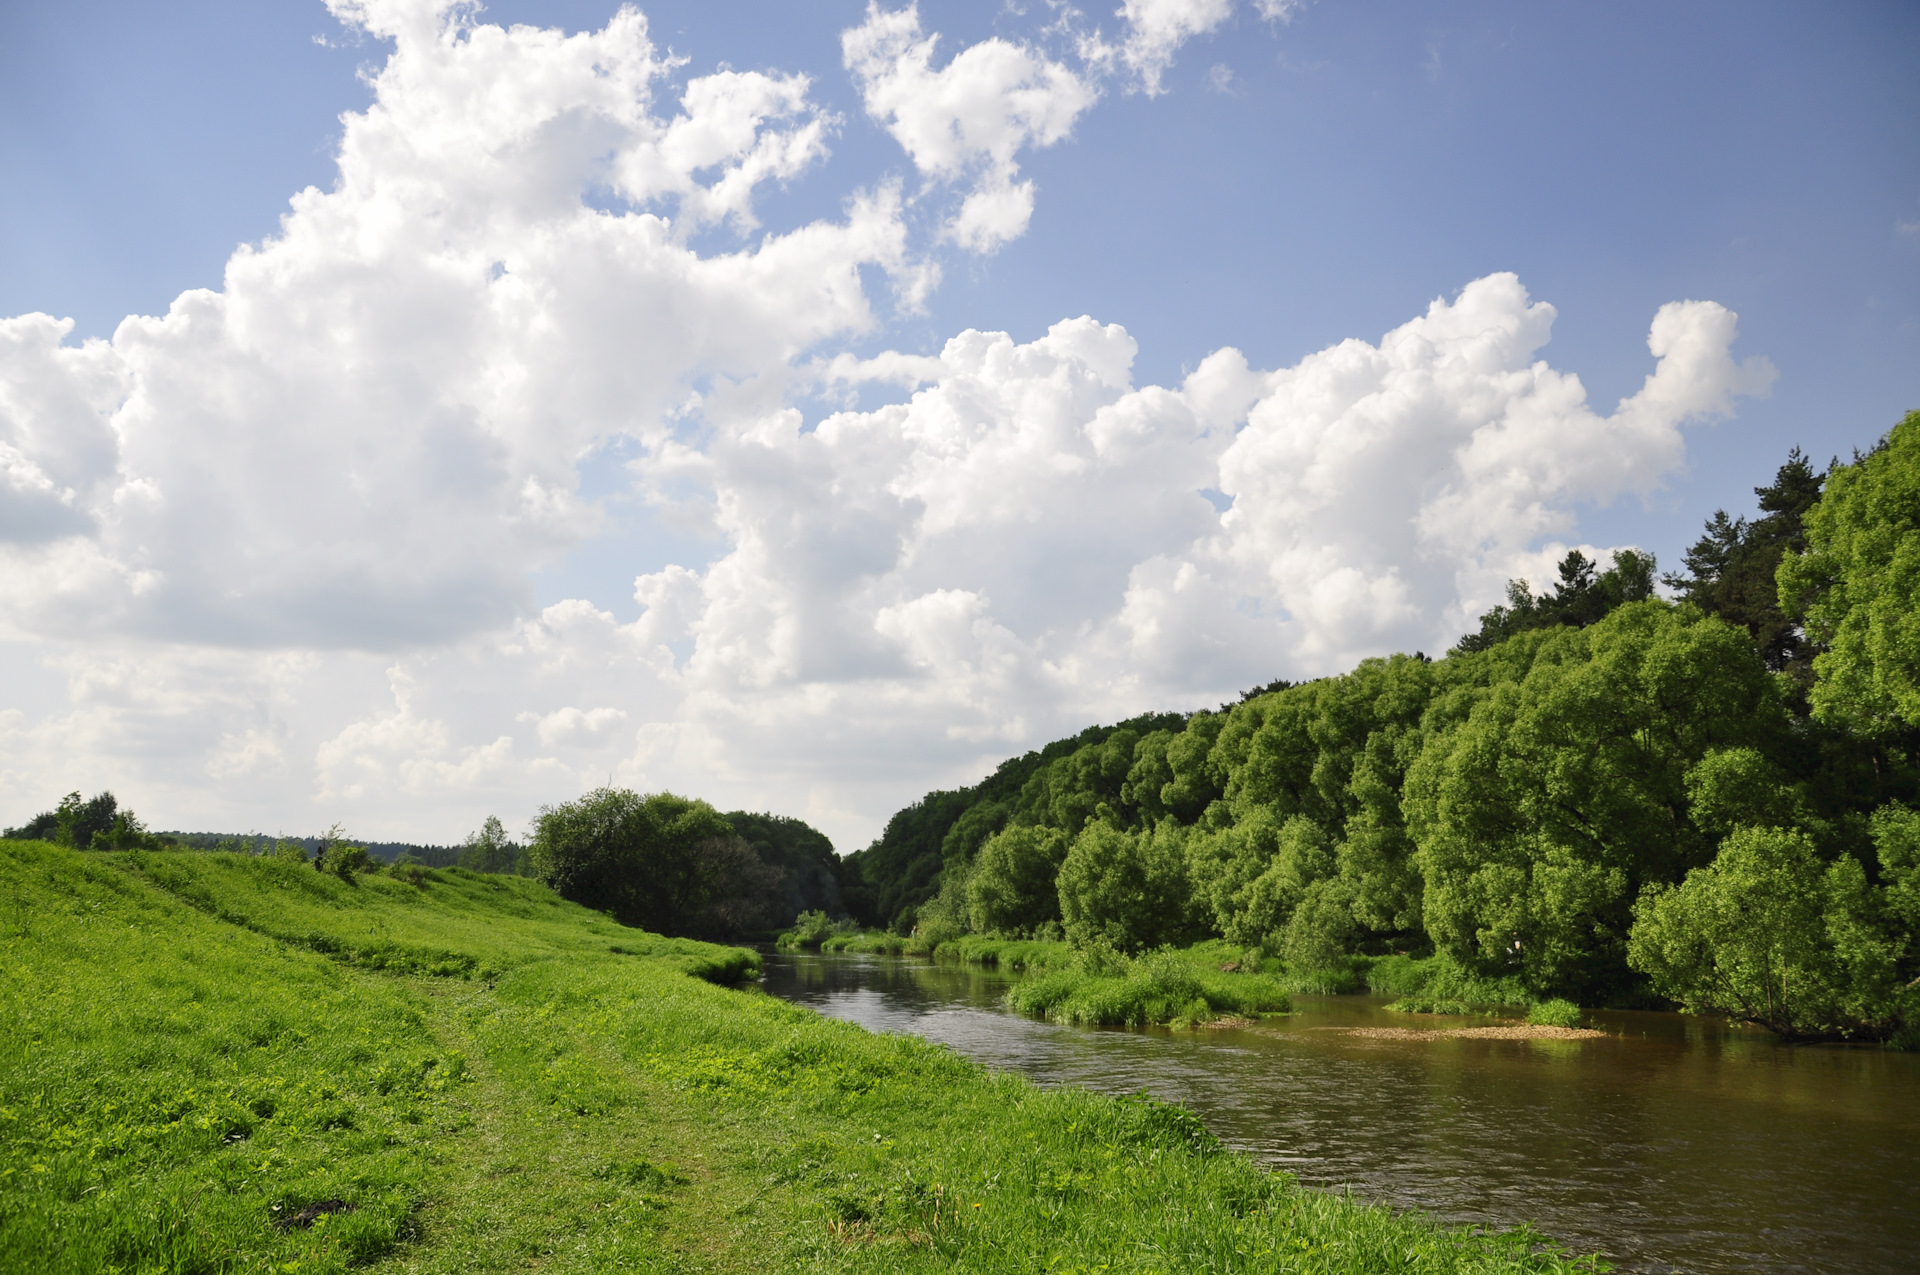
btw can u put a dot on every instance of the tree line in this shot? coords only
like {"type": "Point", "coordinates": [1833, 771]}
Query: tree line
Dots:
{"type": "Point", "coordinates": [1621, 799]}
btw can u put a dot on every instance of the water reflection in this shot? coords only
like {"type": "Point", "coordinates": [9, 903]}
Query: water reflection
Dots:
{"type": "Point", "coordinates": [1673, 1144]}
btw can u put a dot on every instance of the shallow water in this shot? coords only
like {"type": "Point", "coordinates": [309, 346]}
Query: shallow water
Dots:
{"type": "Point", "coordinates": [1673, 1144]}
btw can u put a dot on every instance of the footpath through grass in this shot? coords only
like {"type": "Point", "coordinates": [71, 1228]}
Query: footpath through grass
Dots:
{"type": "Point", "coordinates": [210, 1063]}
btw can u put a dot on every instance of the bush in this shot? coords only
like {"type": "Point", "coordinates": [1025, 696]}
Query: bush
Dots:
{"type": "Point", "coordinates": [1439, 985]}
{"type": "Point", "coordinates": [812, 929]}
{"type": "Point", "coordinates": [1555, 1013]}
{"type": "Point", "coordinates": [1106, 989]}
{"type": "Point", "coordinates": [343, 860]}
{"type": "Point", "coordinates": [1012, 888]}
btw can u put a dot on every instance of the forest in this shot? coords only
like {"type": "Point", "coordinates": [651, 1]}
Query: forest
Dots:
{"type": "Point", "coordinates": [1703, 799]}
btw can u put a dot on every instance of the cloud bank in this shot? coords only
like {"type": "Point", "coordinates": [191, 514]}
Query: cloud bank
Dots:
{"type": "Point", "coordinates": [266, 559]}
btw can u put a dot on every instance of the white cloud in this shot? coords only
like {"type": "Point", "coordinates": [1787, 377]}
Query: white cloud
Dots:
{"type": "Point", "coordinates": [368, 436]}
{"type": "Point", "coordinates": [265, 559]}
{"type": "Point", "coordinates": [969, 119]}
{"type": "Point", "coordinates": [571, 727]}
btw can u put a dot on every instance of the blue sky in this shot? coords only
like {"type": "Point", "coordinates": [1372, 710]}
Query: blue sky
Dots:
{"type": "Point", "coordinates": [1297, 183]}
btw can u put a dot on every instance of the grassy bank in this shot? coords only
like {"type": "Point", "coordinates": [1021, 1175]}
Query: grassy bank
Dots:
{"type": "Point", "coordinates": [217, 1064]}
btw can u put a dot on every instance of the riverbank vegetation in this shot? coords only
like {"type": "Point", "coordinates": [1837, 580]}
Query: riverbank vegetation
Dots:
{"type": "Point", "coordinates": [219, 1063]}
{"type": "Point", "coordinates": [1600, 797]}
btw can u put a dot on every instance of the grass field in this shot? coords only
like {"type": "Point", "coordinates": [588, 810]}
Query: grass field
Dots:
{"type": "Point", "coordinates": [211, 1063]}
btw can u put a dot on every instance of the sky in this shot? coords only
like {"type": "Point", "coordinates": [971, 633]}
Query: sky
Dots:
{"type": "Point", "coordinates": [411, 412]}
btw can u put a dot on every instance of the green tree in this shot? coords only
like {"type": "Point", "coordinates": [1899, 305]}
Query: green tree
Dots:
{"type": "Point", "coordinates": [1011, 889]}
{"type": "Point", "coordinates": [1730, 571]}
{"type": "Point", "coordinates": [1125, 889]}
{"type": "Point", "coordinates": [1542, 815]}
{"type": "Point", "coordinates": [1768, 934]}
{"type": "Point", "coordinates": [1856, 584]}
{"type": "Point", "coordinates": [1584, 595]}
{"type": "Point", "coordinates": [663, 862]}
{"type": "Point", "coordinates": [492, 850]}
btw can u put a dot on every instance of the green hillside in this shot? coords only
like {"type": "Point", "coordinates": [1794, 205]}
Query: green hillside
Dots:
{"type": "Point", "coordinates": [214, 1063]}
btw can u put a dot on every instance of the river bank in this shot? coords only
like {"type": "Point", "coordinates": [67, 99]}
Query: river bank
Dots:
{"type": "Point", "coordinates": [219, 1063]}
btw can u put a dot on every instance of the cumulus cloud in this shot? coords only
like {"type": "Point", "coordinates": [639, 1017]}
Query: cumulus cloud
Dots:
{"type": "Point", "coordinates": [969, 119]}
{"type": "Point", "coordinates": [369, 435]}
{"type": "Point", "coordinates": [266, 558]}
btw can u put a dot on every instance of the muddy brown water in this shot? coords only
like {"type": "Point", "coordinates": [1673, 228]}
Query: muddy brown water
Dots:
{"type": "Point", "coordinates": [1671, 1144]}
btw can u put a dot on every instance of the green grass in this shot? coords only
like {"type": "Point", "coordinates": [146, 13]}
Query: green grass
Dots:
{"type": "Point", "coordinates": [196, 1048]}
{"type": "Point", "coordinates": [878, 942]}
{"type": "Point", "coordinates": [1006, 954]}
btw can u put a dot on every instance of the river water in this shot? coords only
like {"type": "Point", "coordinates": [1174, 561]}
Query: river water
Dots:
{"type": "Point", "coordinates": [1673, 1144]}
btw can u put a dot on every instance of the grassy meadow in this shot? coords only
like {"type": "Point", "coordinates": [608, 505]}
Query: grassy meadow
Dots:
{"type": "Point", "coordinates": [214, 1063]}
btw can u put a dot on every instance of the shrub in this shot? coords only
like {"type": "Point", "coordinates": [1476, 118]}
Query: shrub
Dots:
{"type": "Point", "coordinates": [1555, 1013]}
{"type": "Point", "coordinates": [1439, 985]}
{"type": "Point", "coordinates": [1012, 886]}
{"type": "Point", "coordinates": [1104, 988]}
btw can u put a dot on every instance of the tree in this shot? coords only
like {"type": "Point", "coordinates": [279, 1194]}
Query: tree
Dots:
{"type": "Point", "coordinates": [1856, 583]}
{"type": "Point", "coordinates": [1730, 571]}
{"type": "Point", "coordinates": [1768, 934]}
{"type": "Point", "coordinates": [491, 850]}
{"type": "Point", "coordinates": [1011, 889]}
{"type": "Point", "coordinates": [663, 862]}
{"type": "Point", "coordinates": [1542, 815]}
{"type": "Point", "coordinates": [1585, 595]}
{"type": "Point", "coordinates": [813, 871]}
{"type": "Point", "coordinates": [1125, 889]}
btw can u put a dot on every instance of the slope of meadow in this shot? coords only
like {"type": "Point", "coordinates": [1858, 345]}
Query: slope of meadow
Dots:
{"type": "Point", "coordinates": [210, 1063]}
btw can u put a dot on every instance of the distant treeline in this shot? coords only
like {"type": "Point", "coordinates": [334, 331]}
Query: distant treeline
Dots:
{"type": "Point", "coordinates": [1613, 797]}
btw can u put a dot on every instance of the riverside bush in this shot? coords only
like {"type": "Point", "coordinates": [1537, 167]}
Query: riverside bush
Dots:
{"type": "Point", "coordinates": [1103, 988]}
{"type": "Point", "coordinates": [1555, 1013]}
{"type": "Point", "coordinates": [1440, 985]}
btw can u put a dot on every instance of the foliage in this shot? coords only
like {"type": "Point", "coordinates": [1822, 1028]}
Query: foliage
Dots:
{"type": "Point", "coordinates": [491, 850]}
{"type": "Point", "coordinates": [1011, 889]}
{"type": "Point", "coordinates": [812, 872]}
{"type": "Point", "coordinates": [1506, 807]}
{"type": "Point", "coordinates": [812, 929]}
{"type": "Point", "coordinates": [1555, 1013]}
{"type": "Point", "coordinates": [902, 869]}
{"type": "Point", "coordinates": [1127, 889]}
{"type": "Point", "coordinates": [91, 823]}
{"type": "Point", "coordinates": [1542, 816]}
{"type": "Point", "coordinates": [1440, 985]}
{"type": "Point", "coordinates": [1101, 987]}
{"type": "Point", "coordinates": [1583, 596]}
{"type": "Point", "coordinates": [662, 862]}
{"type": "Point", "coordinates": [1855, 585]}
{"type": "Point", "coordinates": [1770, 935]}
{"type": "Point", "coordinates": [1730, 571]}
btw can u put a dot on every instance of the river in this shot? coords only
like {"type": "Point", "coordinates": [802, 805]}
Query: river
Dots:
{"type": "Point", "coordinates": [1673, 1144]}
